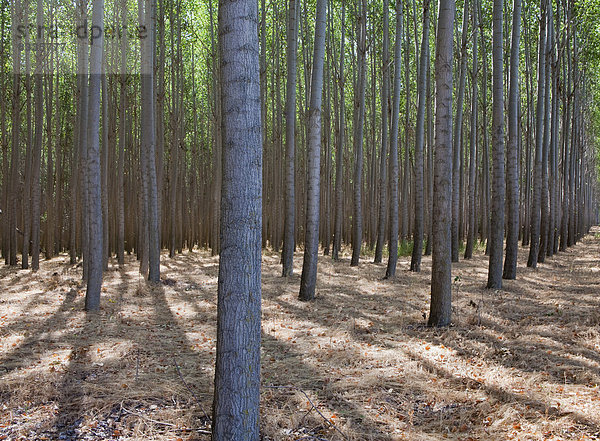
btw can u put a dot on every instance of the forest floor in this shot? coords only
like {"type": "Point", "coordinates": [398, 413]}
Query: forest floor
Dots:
{"type": "Point", "coordinates": [358, 363]}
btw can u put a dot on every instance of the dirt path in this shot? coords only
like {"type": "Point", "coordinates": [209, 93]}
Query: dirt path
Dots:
{"type": "Point", "coordinates": [522, 363]}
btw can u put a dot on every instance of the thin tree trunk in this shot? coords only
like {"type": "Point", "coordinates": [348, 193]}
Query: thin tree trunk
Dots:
{"type": "Point", "coordinates": [357, 218]}
{"type": "Point", "coordinates": [441, 270]}
{"type": "Point", "coordinates": [289, 243]}
{"type": "Point", "coordinates": [94, 213]}
{"type": "Point", "coordinates": [339, 150]}
{"type": "Point", "coordinates": [393, 159]}
{"type": "Point", "coordinates": [385, 93]}
{"type": "Point", "coordinates": [457, 136]}
{"type": "Point", "coordinates": [512, 166]}
{"type": "Point", "coordinates": [415, 264]}
{"type": "Point", "coordinates": [537, 173]}
{"type": "Point", "coordinates": [499, 180]}
{"type": "Point", "coordinates": [473, 143]}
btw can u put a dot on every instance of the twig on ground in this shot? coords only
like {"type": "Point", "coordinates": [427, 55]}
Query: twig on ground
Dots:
{"type": "Point", "coordinates": [190, 389]}
{"type": "Point", "coordinates": [313, 406]}
{"type": "Point", "coordinates": [162, 423]}
{"type": "Point", "coordinates": [137, 365]}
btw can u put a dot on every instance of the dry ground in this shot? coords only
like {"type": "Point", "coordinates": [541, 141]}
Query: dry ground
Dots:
{"type": "Point", "coordinates": [521, 363]}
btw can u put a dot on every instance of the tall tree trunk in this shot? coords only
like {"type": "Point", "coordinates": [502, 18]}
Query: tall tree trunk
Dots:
{"type": "Point", "coordinates": [539, 129]}
{"type": "Point", "coordinates": [148, 142]}
{"type": "Point", "coordinates": [237, 371]}
{"type": "Point", "coordinates": [441, 270]}
{"type": "Point", "coordinates": [94, 213]}
{"type": "Point", "coordinates": [457, 136]}
{"type": "Point", "coordinates": [339, 150]}
{"type": "Point", "coordinates": [498, 179]}
{"type": "Point", "coordinates": [359, 103]}
{"type": "Point", "coordinates": [385, 93]}
{"type": "Point", "coordinates": [393, 159]}
{"type": "Point", "coordinates": [289, 243]}
{"type": "Point", "coordinates": [16, 139]}
{"type": "Point", "coordinates": [473, 143]}
{"type": "Point", "coordinates": [311, 243]}
{"type": "Point", "coordinates": [122, 138]}
{"type": "Point", "coordinates": [415, 263]}
{"type": "Point", "coordinates": [37, 150]}
{"type": "Point", "coordinates": [512, 166]}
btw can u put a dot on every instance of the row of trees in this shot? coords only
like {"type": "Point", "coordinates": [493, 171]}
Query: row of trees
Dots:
{"type": "Point", "coordinates": [374, 145]}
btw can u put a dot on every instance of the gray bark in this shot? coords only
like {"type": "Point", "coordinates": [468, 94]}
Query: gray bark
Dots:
{"type": "Point", "coordinates": [498, 179]}
{"type": "Point", "coordinates": [457, 136]}
{"type": "Point", "coordinates": [441, 270]}
{"type": "Point", "coordinates": [512, 150]}
{"type": "Point", "coordinates": [357, 217]}
{"type": "Point", "coordinates": [237, 372]}
{"type": "Point", "coordinates": [415, 263]}
{"type": "Point", "coordinates": [308, 279]}
{"type": "Point", "coordinates": [339, 152]}
{"type": "Point", "coordinates": [94, 212]}
{"type": "Point", "coordinates": [393, 159]}
{"type": "Point", "coordinates": [385, 93]}
{"type": "Point", "coordinates": [537, 172]}
{"type": "Point", "coordinates": [289, 242]}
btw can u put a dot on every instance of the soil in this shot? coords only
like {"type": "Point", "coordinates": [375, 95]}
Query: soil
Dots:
{"type": "Point", "coordinates": [358, 363]}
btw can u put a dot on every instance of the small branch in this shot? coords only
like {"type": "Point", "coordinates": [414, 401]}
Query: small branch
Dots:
{"type": "Point", "coordinates": [313, 407]}
{"type": "Point", "coordinates": [190, 389]}
{"type": "Point", "coordinates": [162, 423]}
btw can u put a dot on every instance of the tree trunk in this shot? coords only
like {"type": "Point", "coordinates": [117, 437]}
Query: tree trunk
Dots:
{"type": "Point", "coordinates": [457, 136]}
{"type": "Point", "coordinates": [339, 150]}
{"type": "Point", "coordinates": [289, 243]}
{"type": "Point", "coordinates": [94, 212]}
{"type": "Point", "coordinates": [537, 172]}
{"type": "Point", "coordinates": [512, 165]}
{"type": "Point", "coordinates": [311, 242]}
{"type": "Point", "coordinates": [237, 371]}
{"type": "Point", "coordinates": [415, 263]}
{"type": "Point", "coordinates": [441, 270]}
{"type": "Point", "coordinates": [357, 218]}
{"type": "Point", "coordinates": [393, 159]}
{"type": "Point", "coordinates": [498, 179]}
{"type": "Point", "coordinates": [473, 144]}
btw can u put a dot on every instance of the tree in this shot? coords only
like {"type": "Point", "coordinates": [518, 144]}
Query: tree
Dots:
{"type": "Point", "coordinates": [472, 143]}
{"type": "Point", "coordinates": [237, 371]}
{"type": "Point", "coordinates": [94, 212]}
{"type": "Point", "coordinates": [441, 270]}
{"type": "Point", "coordinates": [308, 279]}
{"type": "Point", "coordinates": [415, 263]}
{"type": "Point", "coordinates": [512, 166]}
{"type": "Point", "coordinates": [359, 107]}
{"type": "Point", "coordinates": [339, 150]}
{"type": "Point", "coordinates": [539, 134]}
{"type": "Point", "coordinates": [457, 136]}
{"type": "Point", "coordinates": [498, 180]}
{"type": "Point", "coordinates": [393, 160]}
{"type": "Point", "coordinates": [385, 93]}
{"type": "Point", "coordinates": [289, 242]}
{"type": "Point", "coordinates": [148, 143]}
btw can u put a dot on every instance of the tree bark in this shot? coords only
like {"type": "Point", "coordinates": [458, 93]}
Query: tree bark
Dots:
{"type": "Point", "coordinates": [289, 243]}
{"type": "Point", "coordinates": [237, 371]}
{"type": "Point", "coordinates": [498, 179]}
{"type": "Point", "coordinates": [308, 279]}
{"type": "Point", "coordinates": [441, 270]}
{"type": "Point", "coordinates": [357, 218]}
{"type": "Point", "coordinates": [512, 153]}
{"type": "Point", "coordinates": [393, 159]}
{"type": "Point", "coordinates": [415, 263]}
{"type": "Point", "coordinates": [94, 212]}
